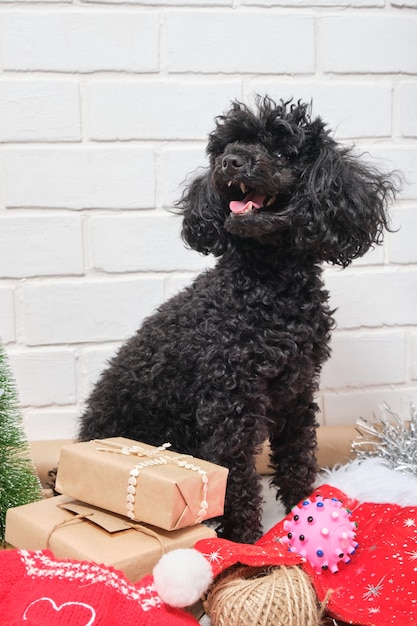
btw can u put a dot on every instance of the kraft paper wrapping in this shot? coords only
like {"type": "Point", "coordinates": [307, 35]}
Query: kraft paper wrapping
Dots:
{"type": "Point", "coordinates": [45, 456]}
{"type": "Point", "coordinates": [334, 446]}
{"type": "Point", "coordinates": [47, 525]}
{"type": "Point", "coordinates": [169, 495]}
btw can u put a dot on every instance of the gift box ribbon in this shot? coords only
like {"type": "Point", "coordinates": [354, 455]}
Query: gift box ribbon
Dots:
{"type": "Point", "coordinates": [152, 458]}
{"type": "Point", "coordinates": [98, 518]}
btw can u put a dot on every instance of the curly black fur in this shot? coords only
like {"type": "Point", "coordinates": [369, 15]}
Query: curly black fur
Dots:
{"type": "Point", "coordinates": [235, 358]}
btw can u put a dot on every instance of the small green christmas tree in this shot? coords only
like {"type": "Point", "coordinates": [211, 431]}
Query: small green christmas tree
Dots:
{"type": "Point", "coordinates": [18, 481]}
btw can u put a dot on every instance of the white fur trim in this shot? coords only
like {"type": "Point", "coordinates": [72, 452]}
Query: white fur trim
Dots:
{"type": "Point", "coordinates": [372, 480]}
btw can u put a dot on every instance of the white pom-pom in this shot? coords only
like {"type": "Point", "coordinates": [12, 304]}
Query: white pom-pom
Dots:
{"type": "Point", "coordinates": [182, 576]}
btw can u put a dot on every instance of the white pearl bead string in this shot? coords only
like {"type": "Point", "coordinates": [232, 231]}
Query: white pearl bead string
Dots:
{"type": "Point", "coordinates": [153, 460]}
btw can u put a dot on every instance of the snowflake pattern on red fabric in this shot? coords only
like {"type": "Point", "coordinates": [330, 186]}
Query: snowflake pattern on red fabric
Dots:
{"type": "Point", "coordinates": [379, 585]}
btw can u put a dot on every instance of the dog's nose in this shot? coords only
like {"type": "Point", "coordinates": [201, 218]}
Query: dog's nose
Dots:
{"type": "Point", "coordinates": [232, 162]}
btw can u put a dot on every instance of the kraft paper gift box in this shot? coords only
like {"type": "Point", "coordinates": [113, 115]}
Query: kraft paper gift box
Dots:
{"type": "Point", "coordinates": [147, 484]}
{"type": "Point", "coordinates": [95, 535]}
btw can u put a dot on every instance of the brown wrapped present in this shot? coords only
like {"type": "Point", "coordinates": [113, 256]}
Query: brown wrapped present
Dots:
{"type": "Point", "coordinates": [72, 529]}
{"type": "Point", "coordinates": [147, 484]}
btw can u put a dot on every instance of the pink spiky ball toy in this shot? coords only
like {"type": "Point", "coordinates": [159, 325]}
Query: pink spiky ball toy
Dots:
{"type": "Point", "coordinates": [322, 532]}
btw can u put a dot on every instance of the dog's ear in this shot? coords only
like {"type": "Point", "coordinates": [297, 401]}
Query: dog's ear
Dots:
{"type": "Point", "coordinates": [342, 201]}
{"type": "Point", "coordinates": [203, 217]}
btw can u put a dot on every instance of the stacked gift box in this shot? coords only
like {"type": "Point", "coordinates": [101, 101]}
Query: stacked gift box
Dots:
{"type": "Point", "coordinates": [123, 504]}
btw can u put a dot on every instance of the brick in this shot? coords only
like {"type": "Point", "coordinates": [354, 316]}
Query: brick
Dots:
{"type": "Point", "coordinates": [141, 243]}
{"type": "Point", "coordinates": [407, 94]}
{"type": "Point", "coordinates": [401, 159]}
{"type": "Point", "coordinates": [412, 4]}
{"type": "Point", "coordinates": [17, 2]}
{"type": "Point", "coordinates": [87, 311]}
{"type": "Point", "coordinates": [133, 109]}
{"type": "Point", "coordinates": [82, 177]}
{"type": "Point", "coordinates": [40, 246]}
{"type": "Point", "coordinates": [80, 41]}
{"type": "Point", "coordinates": [414, 357]}
{"type": "Point", "coordinates": [364, 360]}
{"type": "Point", "coordinates": [315, 3]}
{"type": "Point", "coordinates": [44, 376]}
{"type": "Point", "coordinates": [38, 110]}
{"type": "Point", "coordinates": [51, 423]}
{"type": "Point", "coordinates": [372, 298]}
{"type": "Point", "coordinates": [177, 167]}
{"type": "Point", "coordinates": [7, 316]}
{"type": "Point", "coordinates": [367, 114]}
{"type": "Point", "coordinates": [210, 42]}
{"type": "Point", "coordinates": [376, 43]}
{"type": "Point", "coordinates": [94, 361]}
{"type": "Point", "coordinates": [402, 243]}
{"type": "Point", "coordinates": [170, 3]}
{"type": "Point", "coordinates": [347, 407]}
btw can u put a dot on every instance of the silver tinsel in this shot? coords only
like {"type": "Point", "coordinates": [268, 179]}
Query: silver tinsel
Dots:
{"type": "Point", "coordinates": [391, 437]}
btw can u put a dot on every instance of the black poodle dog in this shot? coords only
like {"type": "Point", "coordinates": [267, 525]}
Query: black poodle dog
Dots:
{"type": "Point", "coordinates": [235, 358]}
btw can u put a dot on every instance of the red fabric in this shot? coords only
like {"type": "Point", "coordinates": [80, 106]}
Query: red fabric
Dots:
{"type": "Point", "coordinates": [38, 590]}
{"type": "Point", "coordinates": [377, 588]}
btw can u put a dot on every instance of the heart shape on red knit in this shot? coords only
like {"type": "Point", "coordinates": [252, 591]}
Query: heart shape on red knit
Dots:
{"type": "Point", "coordinates": [46, 611]}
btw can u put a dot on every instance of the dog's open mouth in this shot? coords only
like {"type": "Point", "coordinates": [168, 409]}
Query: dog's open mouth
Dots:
{"type": "Point", "coordinates": [251, 200]}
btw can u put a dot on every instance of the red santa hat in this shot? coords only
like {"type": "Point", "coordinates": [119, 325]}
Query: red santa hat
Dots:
{"type": "Point", "coordinates": [377, 586]}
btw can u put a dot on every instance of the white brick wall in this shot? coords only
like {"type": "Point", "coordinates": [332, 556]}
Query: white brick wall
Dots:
{"type": "Point", "coordinates": [380, 43]}
{"type": "Point", "coordinates": [40, 245]}
{"type": "Point", "coordinates": [136, 109]}
{"type": "Point", "coordinates": [104, 109]}
{"type": "Point", "coordinates": [39, 110]}
{"type": "Point", "coordinates": [71, 311]}
{"type": "Point", "coordinates": [81, 40]}
{"type": "Point", "coordinates": [81, 177]}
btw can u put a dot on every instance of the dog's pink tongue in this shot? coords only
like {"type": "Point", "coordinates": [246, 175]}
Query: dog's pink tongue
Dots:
{"type": "Point", "coordinates": [252, 200]}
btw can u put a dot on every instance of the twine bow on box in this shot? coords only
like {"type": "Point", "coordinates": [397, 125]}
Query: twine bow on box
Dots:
{"type": "Point", "coordinates": [80, 517]}
{"type": "Point", "coordinates": [152, 458]}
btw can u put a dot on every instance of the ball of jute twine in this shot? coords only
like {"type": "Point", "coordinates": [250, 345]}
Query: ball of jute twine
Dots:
{"type": "Point", "coordinates": [253, 596]}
